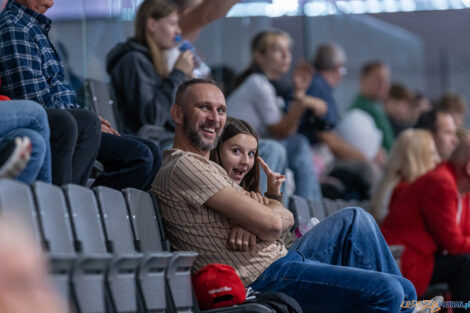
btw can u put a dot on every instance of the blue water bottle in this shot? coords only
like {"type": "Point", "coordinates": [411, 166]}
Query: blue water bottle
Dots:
{"type": "Point", "coordinates": [201, 70]}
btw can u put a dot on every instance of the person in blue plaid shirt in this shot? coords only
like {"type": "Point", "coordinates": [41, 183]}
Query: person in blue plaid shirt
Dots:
{"type": "Point", "coordinates": [31, 68]}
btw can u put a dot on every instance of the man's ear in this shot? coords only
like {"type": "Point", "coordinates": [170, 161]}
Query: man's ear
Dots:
{"type": "Point", "coordinates": [177, 114]}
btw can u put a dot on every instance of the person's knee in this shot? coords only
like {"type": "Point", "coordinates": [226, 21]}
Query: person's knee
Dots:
{"type": "Point", "coordinates": [38, 144]}
{"type": "Point", "coordinates": [355, 213]}
{"type": "Point", "coordinates": [63, 127]}
{"type": "Point", "coordinates": [86, 119]}
{"type": "Point", "coordinates": [145, 155]}
{"type": "Point", "coordinates": [391, 294]}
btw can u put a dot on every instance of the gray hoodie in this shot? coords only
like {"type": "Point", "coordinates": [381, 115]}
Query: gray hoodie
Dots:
{"type": "Point", "coordinates": [142, 96]}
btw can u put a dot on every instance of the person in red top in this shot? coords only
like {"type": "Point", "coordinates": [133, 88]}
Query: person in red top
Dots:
{"type": "Point", "coordinates": [431, 218]}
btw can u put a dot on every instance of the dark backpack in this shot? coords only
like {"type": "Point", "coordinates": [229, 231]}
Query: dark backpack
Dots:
{"type": "Point", "coordinates": [278, 301]}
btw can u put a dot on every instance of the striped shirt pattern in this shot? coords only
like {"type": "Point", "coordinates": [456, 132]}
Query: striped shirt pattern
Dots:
{"type": "Point", "coordinates": [30, 66]}
{"type": "Point", "coordinates": [183, 184]}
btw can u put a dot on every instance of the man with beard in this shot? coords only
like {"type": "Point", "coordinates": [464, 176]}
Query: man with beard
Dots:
{"type": "Point", "coordinates": [344, 257]}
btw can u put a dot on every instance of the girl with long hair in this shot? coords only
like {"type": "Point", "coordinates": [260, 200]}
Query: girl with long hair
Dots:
{"type": "Point", "coordinates": [143, 85]}
{"type": "Point", "coordinates": [255, 101]}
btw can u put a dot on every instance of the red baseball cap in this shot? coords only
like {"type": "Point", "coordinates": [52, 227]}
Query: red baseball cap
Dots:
{"type": "Point", "coordinates": [218, 286]}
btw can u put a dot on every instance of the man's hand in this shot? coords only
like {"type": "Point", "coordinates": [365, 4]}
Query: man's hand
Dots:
{"type": "Point", "coordinates": [106, 127]}
{"type": "Point", "coordinates": [241, 240]}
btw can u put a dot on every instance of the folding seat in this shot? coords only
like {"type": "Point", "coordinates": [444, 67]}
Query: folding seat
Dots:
{"type": "Point", "coordinates": [150, 238]}
{"type": "Point", "coordinates": [120, 240]}
{"type": "Point", "coordinates": [16, 200]}
{"type": "Point", "coordinates": [300, 208]}
{"type": "Point", "coordinates": [99, 97]}
{"type": "Point", "coordinates": [118, 270]}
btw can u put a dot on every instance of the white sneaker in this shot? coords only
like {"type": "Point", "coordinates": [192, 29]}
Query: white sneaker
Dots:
{"type": "Point", "coordinates": [428, 306]}
{"type": "Point", "coordinates": [14, 157]}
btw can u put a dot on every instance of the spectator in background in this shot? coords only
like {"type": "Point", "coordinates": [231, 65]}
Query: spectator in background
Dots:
{"type": "Point", "coordinates": [431, 218]}
{"type": "Point", "coordinates": [399, 108]}
{"type": "Point", "coordinates": [32, 69]}
{"type": "Point", "coordinates": [413, 154]}
{"type": "Point", "coordinates": [143, 85]}
{"type": "Point", "coordinates": [455, 105]}
{"type": "Point", "coordinates": [254, 100]}
{"type": "Point", "coordinates": [374, 89]}
{"type": "Point", "coordinates": [443, 129]}
{"type": "Point", "coordinates": [329, 63]}
{"type": "Point", "coordinates": [421, 104]}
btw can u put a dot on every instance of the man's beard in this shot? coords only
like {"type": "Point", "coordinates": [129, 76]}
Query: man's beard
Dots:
{"type": "Point", "coordinates": [196, 140]}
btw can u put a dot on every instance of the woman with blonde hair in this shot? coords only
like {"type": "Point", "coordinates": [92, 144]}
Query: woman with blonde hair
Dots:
{"type": "Point", "coordinates": [143, 85]}
{"type": "Point", "coordinates": [413, 154]}
{"type": "Point", "coordinates": [255, 101]}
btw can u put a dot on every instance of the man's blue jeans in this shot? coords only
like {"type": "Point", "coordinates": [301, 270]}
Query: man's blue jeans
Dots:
{"type": "Point", "coordinates": [24, 118]}
{"type": "Point", "coordinates": [300, 161]}
{"type": "Point", "coordinates": [342, 265]}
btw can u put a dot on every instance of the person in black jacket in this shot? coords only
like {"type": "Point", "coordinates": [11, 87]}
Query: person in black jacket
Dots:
{"type": "Point", "coordinates": [144, 86]}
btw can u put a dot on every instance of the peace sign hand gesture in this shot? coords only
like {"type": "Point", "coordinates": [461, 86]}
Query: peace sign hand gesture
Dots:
{"type": "Point", "coordinates": [275, 179]}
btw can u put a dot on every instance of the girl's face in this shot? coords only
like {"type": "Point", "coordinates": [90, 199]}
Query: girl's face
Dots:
{"type": "Point", "coordinates": [164, 30]}
{"type": "Point", "coordinates": [238, 156]}
{"type": "Point", "coordinates": [276, 58]}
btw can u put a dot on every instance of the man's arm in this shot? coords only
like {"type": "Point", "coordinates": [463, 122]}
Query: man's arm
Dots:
{"type": "Point", "coordinates": [339, 147]}
{"type": "Point", "coordinates": [21, 69]}
{"type": "Point", "coordinates": [263, 221]}
{"type": "Point", "coordinates": [286, 216]}
{"type": "Point", "coordinates": [204, 14]}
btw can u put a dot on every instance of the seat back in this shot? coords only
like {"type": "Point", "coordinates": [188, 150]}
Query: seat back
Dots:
{"type": "Point", "coordinates": [317, 209]}
{"type": "Point", "coordinates": [100, 98]}
{"type": "Point", "coordinates": [146, 223]}
{"type": "Point", "coordinates": [16, 200]}
{"type": "Point", "coordinates": [86, 220]}
{"type": "Point", "coordinates": [116, 220]}
{"type": "Point", "coordinates": [300, 209]}
{"type": "Point", "coordinates": [54, 219]}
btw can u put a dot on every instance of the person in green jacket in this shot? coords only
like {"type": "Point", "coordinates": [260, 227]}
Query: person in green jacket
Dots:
{"type": "Point", "coordinates": [374, 88]}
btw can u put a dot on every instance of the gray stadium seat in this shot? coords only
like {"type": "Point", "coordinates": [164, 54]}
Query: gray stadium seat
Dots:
{"type": "Point", "coordinates": [16, 200]}
{"type": "Point", "coordinates": [57, 233]}
{"type": "Point", "coordinates": [300, 209]}
{"type": "Point", "coordinates": [150, 235]}
{"type": "Point", "coordinates": [101, 101]}
{"type": "Point", "coordinates": [120, 239]}
{"type": "Point", "coordinates": [118, 271]}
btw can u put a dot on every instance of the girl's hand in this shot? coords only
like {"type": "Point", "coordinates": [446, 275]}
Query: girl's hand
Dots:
{"type": "Point", "coordinates": [275, 179]}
